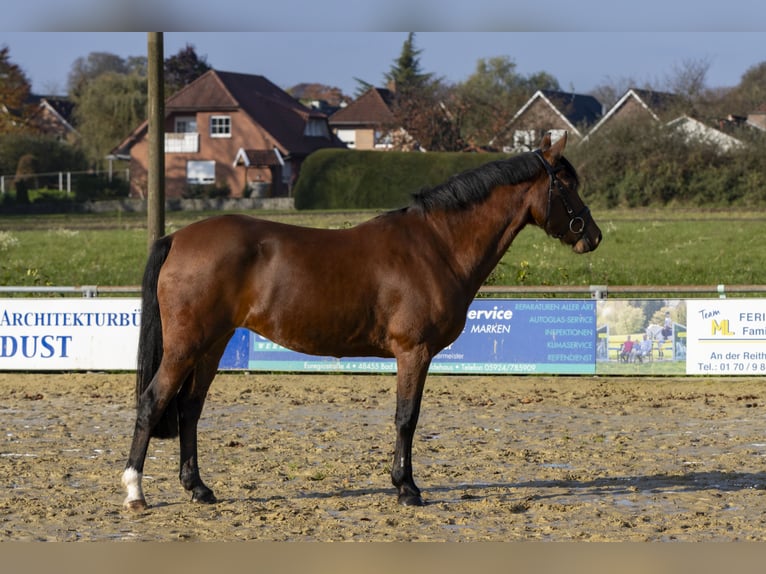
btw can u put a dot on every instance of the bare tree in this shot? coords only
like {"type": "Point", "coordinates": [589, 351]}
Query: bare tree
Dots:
{"type": "Point", "coordinates": [689, 79]}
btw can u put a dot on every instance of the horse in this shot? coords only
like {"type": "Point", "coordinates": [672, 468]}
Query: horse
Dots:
{"type": "Point", "coordinates": [396, 286]}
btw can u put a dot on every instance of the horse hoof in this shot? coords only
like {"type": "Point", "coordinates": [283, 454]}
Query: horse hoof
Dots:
{"type": "Point", "coordinates": [138, 505]}
{"type": "Point", "coordinates": [205, 496]}
{"type": "Point", "coordinates": [411, 500]}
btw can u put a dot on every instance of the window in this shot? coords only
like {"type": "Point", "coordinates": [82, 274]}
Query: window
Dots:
{"type": "Point", "coordinates": [317, 128]}
{"type": "Point", "coordinates": [220, 126]}
{"type": "Point", "coordinates": [186, 125]}
{"type": "Point", "coordinates": [383, 139]}
{"type": "Point", "coordinates": [200, 172]}
{"type": "Point", "coordinates": [348, 137]}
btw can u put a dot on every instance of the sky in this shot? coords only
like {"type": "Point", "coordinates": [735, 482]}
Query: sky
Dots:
{"type": "Point", "coordinates": [579, 60]}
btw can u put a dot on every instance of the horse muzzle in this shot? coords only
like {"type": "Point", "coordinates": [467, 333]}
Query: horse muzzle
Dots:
{"type": "Point", "coordinates": [588, 242]}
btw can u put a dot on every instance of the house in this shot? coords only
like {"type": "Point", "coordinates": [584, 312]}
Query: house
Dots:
{"type": "Point", "coordinates": [366, 122]}
{"type": "Point", "coordinates": [695, 130]}
{"type": "Point", "coordinates": [53, 116]}
{"type": "Point", "coordinates": [638, 105]}
{"type": "Point", "coordinates": [230, 130]}
{"type": "Point", "coordinates": [552, 111]}
{"type": "Point", "coordinates": [44, 115]}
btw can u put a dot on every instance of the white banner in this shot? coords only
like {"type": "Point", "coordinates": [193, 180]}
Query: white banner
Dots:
{"type": "Point", "coordinates": [726, 336]}
{"type": "Point", "coordinates": [69, 334]}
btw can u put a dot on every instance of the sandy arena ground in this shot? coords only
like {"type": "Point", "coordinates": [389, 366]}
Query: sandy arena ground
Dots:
{"type": "Point", "coordinates": [307, 458]}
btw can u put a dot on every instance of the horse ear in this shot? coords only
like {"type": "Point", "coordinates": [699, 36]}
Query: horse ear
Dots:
{"type": "Point", "coordinates": [545, 143]}
{"type": "Point", "coordinates": [557, 149]}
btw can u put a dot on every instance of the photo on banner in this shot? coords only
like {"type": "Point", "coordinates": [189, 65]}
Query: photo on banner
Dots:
{"type": "Point", "coordinates": [641, 336]}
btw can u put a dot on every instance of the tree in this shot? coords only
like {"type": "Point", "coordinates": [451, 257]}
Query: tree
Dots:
{"type": "Point", "coordinates": [405, 76]}
{"type": "Point", "coordinates": [420, 105]}
{"type": "Point", "coordinates": [94, 65]}
{"type": "Point", "coordinates": [14, 94]}
{"type": "Point", "coordinates": [491, 96]}
{"type": "Point", "coordinates": [689, 79]}
{"type": "Point", "coordinates": [362, 86]}
{"type": "Point", "coordinates": [309, 92]}
{"type": "Point", "coordinates": [183, 68]}
{"type": "Point", "coordinates": [108, 108]}
{"type": "Point", "coordinates": [109, 94]}
{"type": "Point", "coordinates": [751, 91]}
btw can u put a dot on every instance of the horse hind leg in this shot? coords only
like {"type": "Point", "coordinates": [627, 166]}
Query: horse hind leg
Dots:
{"type": "Point", "coordinates": [191, 399]}
{"type": "Point", "coordinates": [151, 406]}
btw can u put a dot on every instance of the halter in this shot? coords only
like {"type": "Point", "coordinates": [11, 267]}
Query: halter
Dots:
{"type": "Point", "coordinates": [576, 220]}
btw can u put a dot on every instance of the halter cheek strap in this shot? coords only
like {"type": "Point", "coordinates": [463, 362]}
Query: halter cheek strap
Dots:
{"type": "Point", "coordinates": [576, 220]}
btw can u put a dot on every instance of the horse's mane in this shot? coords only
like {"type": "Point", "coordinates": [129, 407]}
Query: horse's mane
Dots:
{"type": "Point", "coordinates": [473, 186]}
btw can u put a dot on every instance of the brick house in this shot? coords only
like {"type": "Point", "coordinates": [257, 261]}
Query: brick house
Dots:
{"type": "Point", "coordinates": [230, 130]}
{"type": "Point", "coordinates": [552, 111]}
{"type": "Point", "coordinates": [365, 122]}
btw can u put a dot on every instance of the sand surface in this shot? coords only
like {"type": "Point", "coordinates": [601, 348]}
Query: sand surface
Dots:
{"type": "Point", "coordinates": [307, 458]}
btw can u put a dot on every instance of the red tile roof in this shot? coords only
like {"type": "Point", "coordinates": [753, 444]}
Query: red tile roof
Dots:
{"type": "Point", "coordinates": [371, 108]}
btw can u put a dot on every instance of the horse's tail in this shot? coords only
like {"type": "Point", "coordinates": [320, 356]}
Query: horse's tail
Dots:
{"type": "Point", "coordinates": [150, 337]}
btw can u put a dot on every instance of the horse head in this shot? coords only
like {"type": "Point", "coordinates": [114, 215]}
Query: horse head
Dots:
{"type": "Point", "coordinates": [558, 208]}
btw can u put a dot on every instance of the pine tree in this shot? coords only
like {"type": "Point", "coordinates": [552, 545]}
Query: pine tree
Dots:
{"type": "Point", "coordinates": [405, 76]}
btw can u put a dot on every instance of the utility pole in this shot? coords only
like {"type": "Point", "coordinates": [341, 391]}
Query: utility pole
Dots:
{"type": "Point", "coordinates": [155, 203]}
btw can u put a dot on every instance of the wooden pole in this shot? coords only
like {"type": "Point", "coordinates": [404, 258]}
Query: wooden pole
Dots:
{"type": "Point", "coordinates": [155, 207]}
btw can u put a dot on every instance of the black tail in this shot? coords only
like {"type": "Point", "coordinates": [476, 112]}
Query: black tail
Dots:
{"type": "Point", "coordinates": [150, 337]}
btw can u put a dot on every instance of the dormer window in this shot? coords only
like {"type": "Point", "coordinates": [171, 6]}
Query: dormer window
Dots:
{"type": "Point", "coordinates": [316, 127]}
{"type": "Point", "coordinates": [220, 126]}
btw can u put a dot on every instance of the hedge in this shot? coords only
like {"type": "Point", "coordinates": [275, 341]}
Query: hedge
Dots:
{"type": "Point", "coordinates": [349, 179]}
{"type": "Point", "coordinates": [633, 166]}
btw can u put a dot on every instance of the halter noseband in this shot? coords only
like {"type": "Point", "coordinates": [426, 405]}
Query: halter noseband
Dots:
{"type": "Point", "coordinates": [576, 220]}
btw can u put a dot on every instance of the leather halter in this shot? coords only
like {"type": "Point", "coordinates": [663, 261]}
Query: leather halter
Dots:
{"type": "Point", "coordinates": [576, 220]}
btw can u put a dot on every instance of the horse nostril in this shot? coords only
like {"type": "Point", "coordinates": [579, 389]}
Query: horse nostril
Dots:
{"type": "Point", "coordinates": [598, 238]}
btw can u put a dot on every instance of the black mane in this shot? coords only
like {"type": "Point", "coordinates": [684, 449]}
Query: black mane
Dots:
{"type": "Point", "coordinates": [473, 186]}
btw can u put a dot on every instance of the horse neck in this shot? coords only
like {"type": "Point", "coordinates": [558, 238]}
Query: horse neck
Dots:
{"type": "Point", "coordinates": [477, 237]}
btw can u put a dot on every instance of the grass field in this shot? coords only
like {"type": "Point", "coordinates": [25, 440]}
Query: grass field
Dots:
{"type": "Point", "coordinates": [640, 247]}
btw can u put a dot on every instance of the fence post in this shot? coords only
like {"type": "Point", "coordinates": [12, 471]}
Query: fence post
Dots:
{"type": "Point", "coordinates": [68, 182]}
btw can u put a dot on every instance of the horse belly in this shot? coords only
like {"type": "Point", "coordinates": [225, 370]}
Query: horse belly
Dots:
{"type": "Point", "coordinates": [318, 328]}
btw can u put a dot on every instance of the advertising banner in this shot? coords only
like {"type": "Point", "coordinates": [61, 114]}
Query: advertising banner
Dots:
{"type": "Point", "coordinates": [727, 337]}
{"type": "Point", "coordinates": [512, 336]}
{"type": "Point", "coordinates": [500, 336]}
{"type": "Point", "coordinates": [69, 334]}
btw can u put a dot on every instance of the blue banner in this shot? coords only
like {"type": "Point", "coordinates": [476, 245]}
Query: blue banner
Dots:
{"type": "Point", "coordinates": [545, 336]}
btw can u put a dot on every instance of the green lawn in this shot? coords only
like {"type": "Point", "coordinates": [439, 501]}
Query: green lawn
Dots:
{"type": "Point", "coordinates": [640, 247]}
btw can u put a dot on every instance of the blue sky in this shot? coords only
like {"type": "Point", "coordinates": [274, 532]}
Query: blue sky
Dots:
{"type": "Point", "coordinates": [579, 60]}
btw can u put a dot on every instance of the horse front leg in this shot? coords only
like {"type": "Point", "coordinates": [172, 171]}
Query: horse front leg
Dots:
{"type": "Point", "coordinates": [412, 369]}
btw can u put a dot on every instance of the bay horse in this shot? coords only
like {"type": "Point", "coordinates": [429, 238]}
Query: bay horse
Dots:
{"type": "Point", "coordinates": [398, 285]}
